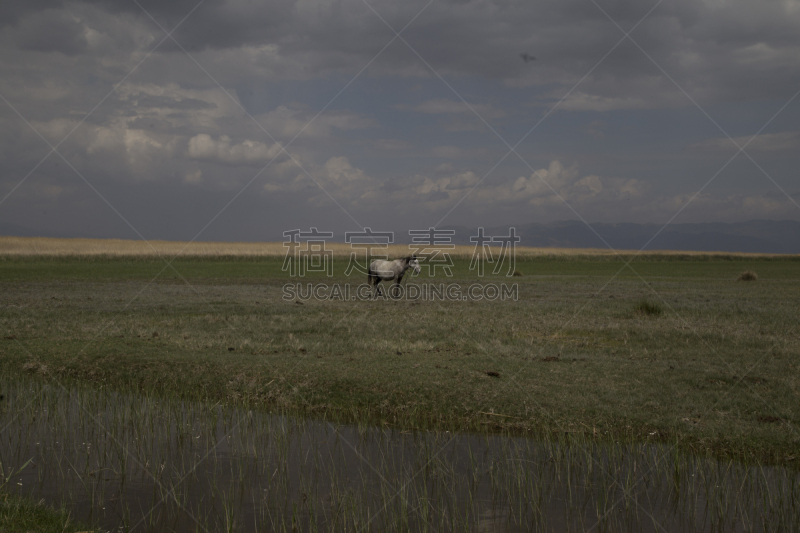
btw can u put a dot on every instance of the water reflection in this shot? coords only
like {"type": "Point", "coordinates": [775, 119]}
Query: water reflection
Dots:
{"type": "Point", "coordinates": [142, 463]}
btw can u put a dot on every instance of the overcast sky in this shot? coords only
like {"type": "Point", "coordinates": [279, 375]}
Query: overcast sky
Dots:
{"type": "Point", "coordinates": [253, 118]}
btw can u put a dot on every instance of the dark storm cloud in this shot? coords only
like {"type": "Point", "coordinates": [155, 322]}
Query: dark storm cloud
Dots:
{"type": "Point", "coordinates": [166, 12]}
{"type": "Point", "coordinates": [52, 31]}
{"type": "Point", "coordinates": [171, 127]}
{"type": "Point", "coordinates": [715, 50]}
{"type": "Point", "coordinates": [719, 50]}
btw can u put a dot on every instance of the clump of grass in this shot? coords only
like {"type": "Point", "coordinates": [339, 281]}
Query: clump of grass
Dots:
{"type": "Point", "coordinates": [646, 308]}
{"type": "Point", "coordinates": [517, 273]}
{"type": "Point", "coordinates": [20, 515]}
{"type": "Point", "coordinates": [747, 275]}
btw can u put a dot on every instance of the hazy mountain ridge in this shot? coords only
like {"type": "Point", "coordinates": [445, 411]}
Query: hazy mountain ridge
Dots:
{"type": "Point", "coordinates": [754, 236]}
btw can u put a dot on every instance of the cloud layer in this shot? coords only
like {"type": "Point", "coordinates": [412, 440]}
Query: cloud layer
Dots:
{"type": "Point", "coordinates": [318, 112]}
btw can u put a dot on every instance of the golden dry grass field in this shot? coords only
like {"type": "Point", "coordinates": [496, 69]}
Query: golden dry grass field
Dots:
{"type": "Point", "coordinates": [52, 247]}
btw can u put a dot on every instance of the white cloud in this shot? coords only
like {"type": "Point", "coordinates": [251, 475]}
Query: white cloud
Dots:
{"type": "Point", "coordinates": [544, 182]}
{"type": "Point", "coordinates": [341, 172]}
{"type": "Point", "coordinates": [593, 183]}
{"type": "Point", "coordinates": [142, 148]}
{"type": "Point", "coordinates": [555, 185]}
{"type": "Point", "coordinates": [551, 186]}
{"type": "Point", "coordinates": [204, 147]}
{"type": "Point", "coordinates": [177, 106]}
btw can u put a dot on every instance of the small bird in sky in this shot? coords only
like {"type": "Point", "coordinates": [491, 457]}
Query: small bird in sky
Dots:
{"type": "Point", "coordinates": [526, 57]}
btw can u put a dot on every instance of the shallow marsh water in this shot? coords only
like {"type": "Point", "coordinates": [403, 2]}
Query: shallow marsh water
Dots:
{"type": "Point", "coordinates": [126, 462]}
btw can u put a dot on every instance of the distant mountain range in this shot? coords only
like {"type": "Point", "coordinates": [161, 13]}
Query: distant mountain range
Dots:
{"type": "Point", "coordinates": [755, 236]}
{"type": "Point", "coordinates": [12, 230]}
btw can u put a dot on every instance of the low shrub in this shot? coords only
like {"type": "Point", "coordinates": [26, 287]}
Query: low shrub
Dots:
{"type": "Point", "coordinates": [747, 275]}
{"type": "Point", "coordinates": [646, 308]}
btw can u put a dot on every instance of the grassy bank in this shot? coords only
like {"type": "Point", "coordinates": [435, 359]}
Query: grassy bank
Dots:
{"type": "Point", "coordinates": [22, 515]}
{"type": "Point", "coordinates": [714, 369]}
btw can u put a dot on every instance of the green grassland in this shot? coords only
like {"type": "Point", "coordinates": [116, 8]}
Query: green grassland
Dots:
{"type": "Point", "coordinates": [666, 349]}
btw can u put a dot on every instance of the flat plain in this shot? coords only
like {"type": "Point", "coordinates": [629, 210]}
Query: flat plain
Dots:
{"type": "Point", "coordinates": [654, 348]}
